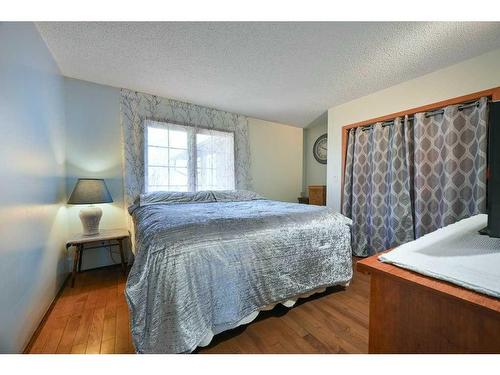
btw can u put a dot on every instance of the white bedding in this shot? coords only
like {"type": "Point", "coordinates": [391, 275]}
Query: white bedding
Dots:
{"type": "Point", "coordinates": [456, 253]}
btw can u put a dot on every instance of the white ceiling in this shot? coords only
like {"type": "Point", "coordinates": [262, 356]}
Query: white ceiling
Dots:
{"type": "Point", "coordinates": [283, 72]}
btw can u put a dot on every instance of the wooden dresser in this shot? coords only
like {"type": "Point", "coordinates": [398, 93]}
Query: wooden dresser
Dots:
{"type": "Point", "coordinates": [413, 313]}
{"type": "Point", "coordinates": [317, 195]}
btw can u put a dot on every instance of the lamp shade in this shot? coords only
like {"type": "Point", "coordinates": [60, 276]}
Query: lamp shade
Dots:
{"type": "Point", "coordinates": [90, 191]}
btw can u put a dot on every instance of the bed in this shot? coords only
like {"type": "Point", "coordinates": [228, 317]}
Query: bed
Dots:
{"type": "Point", "coordinates": [209, 261]}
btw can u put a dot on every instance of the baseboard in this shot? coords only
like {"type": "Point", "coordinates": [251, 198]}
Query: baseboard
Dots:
{"type": "Point", "coordinates": [45, 316]}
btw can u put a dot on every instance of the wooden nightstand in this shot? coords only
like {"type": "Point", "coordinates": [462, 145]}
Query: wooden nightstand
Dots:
{"type": "Point", "coordinates": [110, 237]}
{"type": "Point", "coordinates": [317, 195]}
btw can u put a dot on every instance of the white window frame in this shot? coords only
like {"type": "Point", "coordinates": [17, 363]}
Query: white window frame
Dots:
{"type": "Point", "coordinates": [192, 168]}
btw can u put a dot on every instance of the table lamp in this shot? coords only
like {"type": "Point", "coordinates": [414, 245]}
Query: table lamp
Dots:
{"type": "Point", "coordinates": [90, 191]}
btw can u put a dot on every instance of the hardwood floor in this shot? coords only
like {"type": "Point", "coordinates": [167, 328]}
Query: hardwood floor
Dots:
{"type": "Point", "coordinates": [92, 317]}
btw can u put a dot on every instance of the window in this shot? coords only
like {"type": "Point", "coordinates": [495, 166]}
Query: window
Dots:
{"type": "Point", "coordinates": [183, 158]}
{"type": "Point", "coordinates": [214, 160]}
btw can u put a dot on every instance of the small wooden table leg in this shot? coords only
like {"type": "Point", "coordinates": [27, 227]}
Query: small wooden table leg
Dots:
{"type": "Point", "coordinates": [80, 257]}
{"type": "Point", "coordinates": [75, 265]}
{"type": "Point", "coordinates": [122, 257]}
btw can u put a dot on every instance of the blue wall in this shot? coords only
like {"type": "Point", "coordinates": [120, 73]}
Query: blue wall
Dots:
{"type": "Point", "coordinates": [32, 183]}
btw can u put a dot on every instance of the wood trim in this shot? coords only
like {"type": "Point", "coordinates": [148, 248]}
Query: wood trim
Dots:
{"type": "Point", "coordinates": [493, 93]}
{"type": "Point", "coordinates": [36, 333]}
{"type": "Point", "coordinates": [495, 96]}
{"type": "Point", "coordinates": [344, 157]}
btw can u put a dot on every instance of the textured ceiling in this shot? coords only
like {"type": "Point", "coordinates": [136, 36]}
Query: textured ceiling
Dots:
{"type": "Point", "coordinates": [283, 72]}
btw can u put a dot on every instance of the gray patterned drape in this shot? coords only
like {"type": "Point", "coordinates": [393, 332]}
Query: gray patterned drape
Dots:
{"type": "Point", "coordinates": [138, 107]}
{"type": "Point", "coordinates": [408, 179]}
{"type": "Point", "coordinates": [450, 165]}
{"type": "Point", "coordinates": [377, 188]}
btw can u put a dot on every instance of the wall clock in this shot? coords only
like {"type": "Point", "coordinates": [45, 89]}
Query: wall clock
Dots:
{"type": "Point", "coordinates": [320, 148]}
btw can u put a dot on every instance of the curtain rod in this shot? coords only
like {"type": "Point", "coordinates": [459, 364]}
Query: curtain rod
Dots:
{"type": "Point", "coordinates": [384, 124]}
{"type": "Point", "coordinates": [436, 112]}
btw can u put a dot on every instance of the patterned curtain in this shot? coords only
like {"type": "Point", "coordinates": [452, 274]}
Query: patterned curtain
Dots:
{"type": "Point", "coordinates": [377, 188]}
{"type": "Point", "coordinates": [411, 178]}
{"type": "Point", "coordinates": [138, 107]}
{"type": "Point", "coordinates": [449, 160]}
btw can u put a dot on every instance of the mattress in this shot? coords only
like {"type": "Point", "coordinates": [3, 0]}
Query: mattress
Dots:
{"type": "Point", "coordinates": [456, 253]}
{"type": "Point", "coordinates": [212, 262]}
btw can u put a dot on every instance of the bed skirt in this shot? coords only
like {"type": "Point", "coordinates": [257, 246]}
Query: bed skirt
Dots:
{"type": "Point", "coordinates": [251, 317]}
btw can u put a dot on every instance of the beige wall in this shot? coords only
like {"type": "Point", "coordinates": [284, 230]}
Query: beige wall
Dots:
{"type": "Point", "coordinates": [479, 73]}
{"type": "Point", "coordinates": [32, 188]}
{"type": "Point", "coordinates": [276, 159]}
{"type": "Point", "coordinates": [314, 172]}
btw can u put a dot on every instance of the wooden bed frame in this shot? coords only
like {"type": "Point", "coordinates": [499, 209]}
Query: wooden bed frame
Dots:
{"type": "Point", "coordinates": [413, 313]}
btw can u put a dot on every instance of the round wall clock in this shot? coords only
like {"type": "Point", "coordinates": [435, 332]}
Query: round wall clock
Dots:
{"type": "Point", "coordinates": [319, 149]}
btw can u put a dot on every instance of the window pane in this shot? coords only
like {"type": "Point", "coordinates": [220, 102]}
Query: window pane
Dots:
{"type": "Point", "coordinates": [158, 156]}
{"type": "Point", "coordinates": [178, 158]}
{"type": "Point", "coordinates": [204, 179]}
{"type": "Point", "coordinates": [157, 176]}
{"type": "Point", "coordinates": [178, 138]}
{"type": "Point", "coordinates": [215, 160]}
{"type": "Point", "coordinates": [157, 136]}
{"type": "Point", "coordinates": [178, 176]}
{"type": "Point", "coordinates": [203, 139]}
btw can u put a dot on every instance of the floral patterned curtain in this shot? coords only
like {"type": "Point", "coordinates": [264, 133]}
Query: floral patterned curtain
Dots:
{"type": "Point", "coordinates": [138, 107]}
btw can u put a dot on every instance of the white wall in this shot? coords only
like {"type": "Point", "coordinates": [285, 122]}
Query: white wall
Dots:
{"type": "Point", "coordinates": [479, 73]}
{"type": "Point", "coordinates": [314, 172]}
{"type": "Point", "coordinates": [94, 149]}
{"type": "Point", "coordinates": [276, 159]}
{"type": "Point", "coordinates": [32, 188]}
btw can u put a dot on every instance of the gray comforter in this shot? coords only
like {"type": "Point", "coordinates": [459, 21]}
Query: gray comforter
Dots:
{"type": "Point", "coordinates": [203, 264]}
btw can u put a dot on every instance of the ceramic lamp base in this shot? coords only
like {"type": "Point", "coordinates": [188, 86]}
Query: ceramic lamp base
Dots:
{"type": "Point", "coordinates": [90, 217]}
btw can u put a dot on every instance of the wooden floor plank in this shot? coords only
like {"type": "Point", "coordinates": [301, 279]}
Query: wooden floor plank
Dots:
{"type": "Point", "coordinates": [314, 342]}
{"type": "Point", "coordinates": [82, 334]}
{"type": "Point", "coordinates": [55, 335]}
{"type": "Point", "coordinates": [317, 328]}
{"type": "Point", "coordinates": [122, 328]}
{"type": "Point", "coordinates": [79, 348]}
{"type": "Point", "coordinates": [93, 317]}
{"type": "Point", "coordinates": [40, 341]}
{"type": "Point", "coordinates": [109, 329]}
{"type": "Point", "coordinates": [247, 345]}
{"type": "Point", "coordinates": [69, 334]}
{"type": "Point", "coordinates": [95, 334]}
{"type": "Point", "coordinates": [108, 346]}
